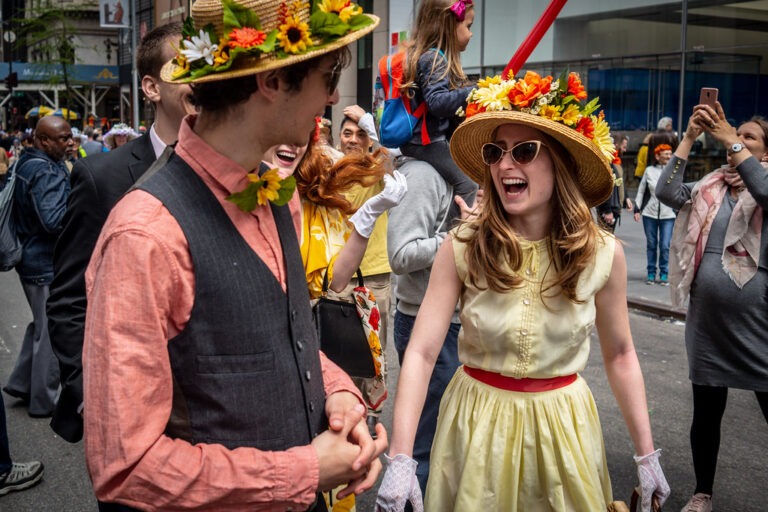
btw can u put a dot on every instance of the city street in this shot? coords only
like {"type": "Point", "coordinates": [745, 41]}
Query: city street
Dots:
{"type": "Point", "coordinates": [742, 470]}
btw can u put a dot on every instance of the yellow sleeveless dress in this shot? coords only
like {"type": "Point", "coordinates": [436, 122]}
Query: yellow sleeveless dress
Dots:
{"type": "Point", "coordinates": [514, 451]}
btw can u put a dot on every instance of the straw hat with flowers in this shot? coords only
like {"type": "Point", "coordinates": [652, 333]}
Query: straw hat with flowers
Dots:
{"type": "Point", "coordinates": [554, 107]}
{"type": "Point", "coordinates": [228, 39]}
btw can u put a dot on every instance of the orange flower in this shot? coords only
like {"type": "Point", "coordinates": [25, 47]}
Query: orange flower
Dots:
{"type": "Point", "coordinates": [575, 87]}
{"type": "Point", "coordinates": [528, 89]}
{"type": "Point", "coordinates": [474, 108]}
{"type": "Point", "coordinates": [586, 127]}
{"type": "Point", "coordinates": [616, 158]}
{"type": "Point", "coordinates": [246, 37]}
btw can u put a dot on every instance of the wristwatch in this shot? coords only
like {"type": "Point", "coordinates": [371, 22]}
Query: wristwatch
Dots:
{"type": "Point", "coordinates": [735, 148]}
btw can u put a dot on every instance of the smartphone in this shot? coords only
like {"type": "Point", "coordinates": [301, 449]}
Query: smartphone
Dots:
{"type": "Point", "coordinates": [708, 96]}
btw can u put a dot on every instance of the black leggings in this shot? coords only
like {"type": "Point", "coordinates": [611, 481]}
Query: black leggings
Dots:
{"type": "Point", "coordinates": [708, 408]}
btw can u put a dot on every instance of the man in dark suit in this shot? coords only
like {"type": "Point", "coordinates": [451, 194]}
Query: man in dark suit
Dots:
{"type": "Point", "coordinates": [98, 182]}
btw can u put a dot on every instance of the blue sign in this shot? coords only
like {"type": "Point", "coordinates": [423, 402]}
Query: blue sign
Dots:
{"type": "Point", "coordinates": [53, 73]}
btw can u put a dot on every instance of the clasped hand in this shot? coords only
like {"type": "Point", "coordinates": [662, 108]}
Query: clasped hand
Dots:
{"type": "Point", "coordinates": [346, 452]}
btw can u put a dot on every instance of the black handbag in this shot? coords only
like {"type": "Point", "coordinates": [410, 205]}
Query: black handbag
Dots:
{"type": "Point", "coordinates": [341, 335]}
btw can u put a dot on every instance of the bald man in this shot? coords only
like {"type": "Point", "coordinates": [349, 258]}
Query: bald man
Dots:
{"type": "Point", "coordinates": [40, 199]}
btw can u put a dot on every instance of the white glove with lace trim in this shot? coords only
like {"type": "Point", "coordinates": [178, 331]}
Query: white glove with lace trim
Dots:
{"type": "Point", "coordinates": [399, 486]}
{"type": "Point", "coordinates": [652, 480]}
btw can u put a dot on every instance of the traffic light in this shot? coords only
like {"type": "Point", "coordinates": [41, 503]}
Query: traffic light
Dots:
{"type": "Point", "coordinates": [12, 80]}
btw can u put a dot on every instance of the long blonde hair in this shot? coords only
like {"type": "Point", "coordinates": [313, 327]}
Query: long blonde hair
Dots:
{"type": "Point", "coordinates": [493, 246]}
{"type": "Point", "coordinates": [435, 27]}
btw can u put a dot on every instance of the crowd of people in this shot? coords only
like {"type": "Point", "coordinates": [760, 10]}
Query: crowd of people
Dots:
{"type": "Point", "coordinates": [171, 279]}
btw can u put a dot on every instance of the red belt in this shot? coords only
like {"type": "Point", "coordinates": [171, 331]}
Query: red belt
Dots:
{"type": "Point", "coordinates": [525, 385]}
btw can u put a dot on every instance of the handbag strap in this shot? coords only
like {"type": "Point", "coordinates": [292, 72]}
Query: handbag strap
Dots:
{"type": "Point", "coordinates": [325, 281]}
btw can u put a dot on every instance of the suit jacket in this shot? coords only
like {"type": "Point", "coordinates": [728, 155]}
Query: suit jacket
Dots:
{"type": "Point", "coordinates": [98, 183]}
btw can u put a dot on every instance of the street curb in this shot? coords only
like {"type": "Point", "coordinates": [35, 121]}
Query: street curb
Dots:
{"type": "Point", "coordinates": [657, 308]}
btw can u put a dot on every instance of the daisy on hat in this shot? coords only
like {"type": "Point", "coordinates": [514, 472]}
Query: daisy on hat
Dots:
{"type": "Point", "coordinates": [556, 108]}
{"type": "Point", "coordinates": [119, 135]}
{"type": "Point", "coordinates": [228, 38]}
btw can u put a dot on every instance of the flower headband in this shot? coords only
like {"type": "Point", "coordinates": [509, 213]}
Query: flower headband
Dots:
{"type": "Point", "coordinates": [459, 8]}
{"type": "Point", "coordinates": [662, 147]}
{"type": "Point", "coordinates": [557, 100]}
{"type": "Point", "coordinates": [239, 34]}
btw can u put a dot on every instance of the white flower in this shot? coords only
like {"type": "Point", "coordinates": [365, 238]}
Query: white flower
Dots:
{"type": "Point", "coordinates": [200, 48]}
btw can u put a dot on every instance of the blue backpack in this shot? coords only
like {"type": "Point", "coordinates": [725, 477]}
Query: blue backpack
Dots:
{"type": "Point", "coordinates": [398, 119]}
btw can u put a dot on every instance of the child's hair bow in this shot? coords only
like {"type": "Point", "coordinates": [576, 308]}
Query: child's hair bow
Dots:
{"type": "Point", "coordinates": [459, 8]}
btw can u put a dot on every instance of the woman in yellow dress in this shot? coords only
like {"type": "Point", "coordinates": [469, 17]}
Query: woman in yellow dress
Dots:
{"type": "Point", "coordinates": [518, 429]}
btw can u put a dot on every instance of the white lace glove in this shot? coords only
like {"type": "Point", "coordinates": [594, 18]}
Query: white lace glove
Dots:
{"type": "Point", "coordinates": [395, 187]}
{"type": "Point", "coordinates": [399, 486]}
{"type": "Point", "coordinates": [652, 480]}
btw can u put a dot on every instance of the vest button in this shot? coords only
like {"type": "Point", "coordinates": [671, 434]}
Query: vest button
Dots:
{"type": "Point", "coordinates": [308, 375]}
{"type": "Point", "coordinates": [311, 406]}
{"type": "Point", "coordinates": [300, 345]}
{"type": "Point", "coordinates": [293, 314]}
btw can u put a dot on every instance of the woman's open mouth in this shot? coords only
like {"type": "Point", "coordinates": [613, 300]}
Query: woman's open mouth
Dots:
{"type": "Point", "coordinates": [514, 186]}
{"type": "Point", "coordinates": [285, 157]}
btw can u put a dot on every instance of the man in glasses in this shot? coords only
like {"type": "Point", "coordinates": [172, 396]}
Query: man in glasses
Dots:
{"type": "Point", "coordinates": [204, 385]}
{"type": "Point", "coordinates": [40, 199]}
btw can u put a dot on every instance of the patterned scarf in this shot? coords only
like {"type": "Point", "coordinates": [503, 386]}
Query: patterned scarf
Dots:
{"type": "Point", "coordinates": [692, 228]}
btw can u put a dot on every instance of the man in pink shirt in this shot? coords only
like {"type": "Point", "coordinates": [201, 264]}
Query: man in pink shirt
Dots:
{"type": "Point", "coordinates": [204, 387]}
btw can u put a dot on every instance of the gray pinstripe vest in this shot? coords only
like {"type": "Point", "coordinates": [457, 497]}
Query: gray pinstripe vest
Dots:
{"type": "Point", "coordinates": [246, 368]}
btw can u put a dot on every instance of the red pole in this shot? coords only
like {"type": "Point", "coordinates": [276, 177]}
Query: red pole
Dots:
{"type": "Point", "coordinates": [534, 37]}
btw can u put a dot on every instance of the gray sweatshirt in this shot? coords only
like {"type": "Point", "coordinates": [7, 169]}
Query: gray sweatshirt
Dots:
{"type": "Point", "coordinates": [417, 227]}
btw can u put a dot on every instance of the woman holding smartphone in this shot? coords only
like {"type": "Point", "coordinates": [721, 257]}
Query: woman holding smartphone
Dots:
{"type": "Point", "coordinates": [718, 259]}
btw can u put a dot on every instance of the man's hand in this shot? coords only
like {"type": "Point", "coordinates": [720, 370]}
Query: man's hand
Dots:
{"type": "Point", "coordinates": [354, 112]}
{"type": "Point", "coordinates": [359, 468]}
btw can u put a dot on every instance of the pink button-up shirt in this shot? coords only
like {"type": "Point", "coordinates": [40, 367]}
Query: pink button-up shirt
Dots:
{"type": "Point", "coordinates": [140, 285]}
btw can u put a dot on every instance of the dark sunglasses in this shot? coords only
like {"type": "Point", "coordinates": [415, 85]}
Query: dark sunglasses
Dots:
{"type": "Point", "coordinates": [522, 153]}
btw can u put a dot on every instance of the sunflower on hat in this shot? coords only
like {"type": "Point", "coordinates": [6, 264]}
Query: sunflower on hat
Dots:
{"type": "Point", "coordinates": [228, 36]}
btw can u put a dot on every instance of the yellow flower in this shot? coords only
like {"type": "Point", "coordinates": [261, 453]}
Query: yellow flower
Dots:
{"type": "Point", "coordinates": [603, 137]}
{"type": "Point", "coordinates": [571, 115]}
{"type": "Point", "coordinates": [551, 112]}
{"type": "Point", "coordinates": [270, 186]}
{"type": "Point", "coordinates": [183, 66]}
{"type": "Point", "coordinates": [221, 56]}
{"type": "Point", "coordinates": [487, 81]}
{"type": "Point", "coordinates": [294, 35]}
{"type": "Point", "coordinates": [495, 96]}
{"type": "Point", "coordinates": [344, 8]}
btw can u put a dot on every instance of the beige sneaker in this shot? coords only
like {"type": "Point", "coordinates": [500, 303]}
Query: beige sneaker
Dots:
{"type": "Point", "coordinates": [700, 502]}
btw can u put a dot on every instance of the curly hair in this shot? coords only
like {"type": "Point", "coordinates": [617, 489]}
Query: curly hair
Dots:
{"type": "Point", "coordinates": [323, 182]}
{"type": "Point", "coordinates": [435, 27]}
{"type": "Point", "coordinates": [493, 246]}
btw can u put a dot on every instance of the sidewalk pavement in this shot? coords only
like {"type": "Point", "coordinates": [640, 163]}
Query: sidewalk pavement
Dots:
{"type": "Point", "coordinates": [654, 299]}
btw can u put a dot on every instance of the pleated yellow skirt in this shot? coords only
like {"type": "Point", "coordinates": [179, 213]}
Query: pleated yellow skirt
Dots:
{"type": "Point", "coordinates": [500, 450]}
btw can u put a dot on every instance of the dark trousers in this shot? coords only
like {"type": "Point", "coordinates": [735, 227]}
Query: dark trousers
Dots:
{"type": "Point", "coordinates": [445, 366]}
{"type": "Point", "coordinates": [5, 452]}
{"type": "Point", "coordinates": [708, 408]}
{"type": "Point", "coordinates": [35, 377]}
